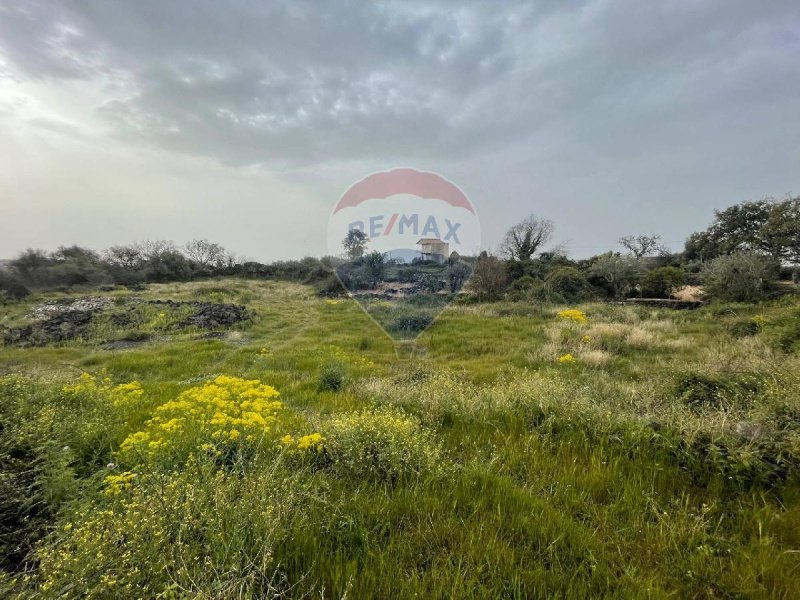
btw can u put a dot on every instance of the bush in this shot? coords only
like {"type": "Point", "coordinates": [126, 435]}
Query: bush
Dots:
{"type": "Point", "coordinates": [185, 520]}
{"type": "Point", "coordinates": [615, 274]}
{"type": "Point", "coordinates": [524, 283]}
{"type": "Point", "coordinates": [11, 287]}
{"type": "Point", "coordinates": [331, 287]}
{"type": "Point", "coordinates": [568, 283]}
{"type": "Point", "coordinates": [660, 282]}
{"type": "Point", "coordinates": [384, 446]}
{"type": "Point", "coordinates": [410, 323]}
{"type": "Point", "coordinates": [488, 279]}
{"type": "Point", "coordinates": [431, 283]}
{"type": "Point", "coordinates": [739, 277]}
{"type": "Point", "coordinates": [331, 378]}
{"type": "Point", "coordinates": [408, 274]}
{"type": "Point", "coordinates": [746, 328]}
{"type": "Point", "coordinates": [699, 391]}
{"type": "Point", "coordinates": [222, 418]}
{"type": "Point", "coordinates": [526, 288]}
{"type": "Point", "coordinates": [457, 274]}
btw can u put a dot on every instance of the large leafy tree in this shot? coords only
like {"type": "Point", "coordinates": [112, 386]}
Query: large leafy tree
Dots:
{"type": "Point", "coordinates": [765, 227]}
{"type": "Point", "coordinates": [375, 266]}
{"type": "Point", "coordinates": [355, 242]}
{"type": "Point", "coordinates": [617, 274]}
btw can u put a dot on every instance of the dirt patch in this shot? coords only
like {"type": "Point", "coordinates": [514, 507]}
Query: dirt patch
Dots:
{"type": "Point", "coordinates": [689, 293]}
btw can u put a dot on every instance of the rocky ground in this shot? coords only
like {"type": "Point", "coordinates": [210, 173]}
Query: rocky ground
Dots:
{"type": "Point", "coordinates": [53, 322]}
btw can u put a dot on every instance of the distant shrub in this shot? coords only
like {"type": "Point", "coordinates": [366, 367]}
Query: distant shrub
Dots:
{"type": "Point", "coordinates": [431, 283]}
{"type": "Point", "coordinates": [527, 288]}
{"type": "Point", "coordinates": [408, 274]}
{"type": "Point", "coordinates": [11, 287]}
{"type": "Point", "coordinates": [746, 328]}
{"type": "Point", "coordinates": [411, 323]}
{"type": "Point", "coordinates": [739, 277]}
{"type": "Point", "coordinates": [524, 283]}
{"type": "Point", "coordinates": [660, 282]}
{"type": "Point", "coordinates": [569, 284]}
{"type": "Point", "coordinates": [331, 377]}
{"type": "Point", "coordinates": [616, 275]}
{"type": "Point", "coordinates": [384, 446]}
{"type": "Point", "coordinates": [489, 279]}
{"type": "Point", "coordinates": [330, 287]}
{"type": "Point", "coordinates": [457, 274]}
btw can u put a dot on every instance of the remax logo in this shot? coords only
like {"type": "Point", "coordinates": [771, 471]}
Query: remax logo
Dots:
{"type": "Point", "coordinates": [400, 208]}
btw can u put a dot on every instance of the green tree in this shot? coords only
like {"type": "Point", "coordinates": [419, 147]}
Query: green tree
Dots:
{"type": "Point", "coordinates": [355, 243]}
{"type": "Point", "coordinates": [617, 274]}
{"type": "Point", "coordinates": [569, 283]}
{"type": "Point", "coordinates": [375, 266]}
{"type": "Point", "coordinates": [739, 277]}
{"type": "Point", "coordinates": [457, 275]}
{"type": "Point", "coordinates": [766, 227]}
{"type": "Point", "coordinates": [660, 282]}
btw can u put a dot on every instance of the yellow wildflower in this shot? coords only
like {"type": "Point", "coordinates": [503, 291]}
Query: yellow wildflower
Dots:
{"type": "Point", "coordinates": [312, 441]}
{"type": "Point", "coordinates": [573, 314]}
{"type": "Point", "coordinates": [116, 484]}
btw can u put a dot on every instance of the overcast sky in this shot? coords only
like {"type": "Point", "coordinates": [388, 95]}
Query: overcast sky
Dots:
{"type": "Point", "coordinates": [243, 122]}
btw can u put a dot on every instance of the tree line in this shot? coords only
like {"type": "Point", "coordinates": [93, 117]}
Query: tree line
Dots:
{"type": "Point", "coordinates": [740, 256]}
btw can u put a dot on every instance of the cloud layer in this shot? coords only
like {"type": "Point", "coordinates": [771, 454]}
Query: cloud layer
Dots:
{"type": "Point", "coordinates": [309, 84]}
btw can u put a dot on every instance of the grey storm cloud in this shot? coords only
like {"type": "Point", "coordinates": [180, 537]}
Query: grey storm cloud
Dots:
{"type": "Point", "coordinates": [151, 118]}
{"type": "Point", "coordinates": [247, 82]}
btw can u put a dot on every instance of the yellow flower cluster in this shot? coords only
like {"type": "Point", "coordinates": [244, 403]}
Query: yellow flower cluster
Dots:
{"type": "Point", "coordinates": [566, 358]}
{"type": "Point", "coordinates": [573, 314]}
{"type": "Point", "coordinates": [312, 442]}
{"type": "Point", "coordinates": [116, 484]}
{"type": "Point", "coordinates": [218, 412]}
{"type": "Point", "coordinates": [123, 394]}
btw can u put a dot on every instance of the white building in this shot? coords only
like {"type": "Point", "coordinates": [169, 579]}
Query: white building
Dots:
{"type": "Point", "coordinates": [434, 249]}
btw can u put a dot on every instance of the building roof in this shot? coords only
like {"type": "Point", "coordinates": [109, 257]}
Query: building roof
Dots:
{"type": "Point", "coordinates": [430, 241]}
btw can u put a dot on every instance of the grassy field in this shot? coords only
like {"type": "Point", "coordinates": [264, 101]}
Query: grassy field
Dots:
{"type": "Point", "coordinates": [508, 453]}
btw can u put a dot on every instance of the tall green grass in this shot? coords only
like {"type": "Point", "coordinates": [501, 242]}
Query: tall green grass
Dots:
{"type": "Point", "coordinates": [663, 462]}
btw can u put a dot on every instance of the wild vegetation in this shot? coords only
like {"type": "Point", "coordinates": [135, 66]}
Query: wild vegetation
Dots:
{"type": "Point", "coordinates": [295, 455]}
{"type": "Point", "coordinates": [248, 431]}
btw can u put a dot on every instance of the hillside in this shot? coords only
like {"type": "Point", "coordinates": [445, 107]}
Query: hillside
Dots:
{"type": "Point", "coordinates": [514, 450]}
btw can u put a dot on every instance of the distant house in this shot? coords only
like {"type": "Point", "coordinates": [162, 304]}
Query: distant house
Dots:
{"type": "Point", "coordinates": [434, 249]}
